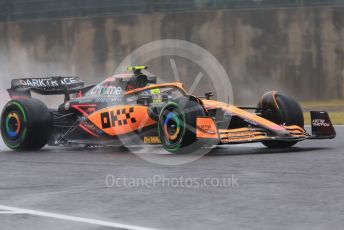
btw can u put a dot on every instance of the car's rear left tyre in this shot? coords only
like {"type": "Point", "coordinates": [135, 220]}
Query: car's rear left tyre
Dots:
{"type": "Point", "coordinates": [26, 124]}
{"type": "Point", "coordinates": [283, 110]}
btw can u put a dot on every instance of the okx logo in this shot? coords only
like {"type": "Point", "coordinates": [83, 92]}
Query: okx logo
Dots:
{"type": "Point", "coordinates": [117, 117]}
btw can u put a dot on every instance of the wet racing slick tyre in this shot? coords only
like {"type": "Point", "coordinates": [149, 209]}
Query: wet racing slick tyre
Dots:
{"type": "Point", "coordinates": [26, 124]}
{"type": "Point", "coordinates": [177, 126]}
{"type": "Point", "coordinates": [281, 109]}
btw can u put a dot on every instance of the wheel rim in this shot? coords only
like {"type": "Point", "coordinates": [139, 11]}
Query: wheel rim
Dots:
{"type": "Point", "coordinates": [172, 127]}
{"type": "Point", "coordinates": [13, 125]}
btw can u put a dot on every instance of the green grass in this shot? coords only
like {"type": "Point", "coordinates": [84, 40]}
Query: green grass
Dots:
{"type": "Point", "coordinates": [337, 118]}
{"type": "Point", "coordinates": [335, 108]}
{"type": "Point", "coordinates": [337, 103]}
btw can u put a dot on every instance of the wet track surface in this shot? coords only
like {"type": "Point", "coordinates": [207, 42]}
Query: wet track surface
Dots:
{"type": "Point", "coordinates": [299, 188]}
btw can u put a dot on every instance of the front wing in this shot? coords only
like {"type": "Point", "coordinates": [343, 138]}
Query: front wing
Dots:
{"type": "Point", "coordinates": [247, 135]}
{"type": "Point", "coordinates": [322, 128]}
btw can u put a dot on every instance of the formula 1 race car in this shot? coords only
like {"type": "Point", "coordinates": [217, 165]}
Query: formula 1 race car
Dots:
{"type": "Point", "coordinates": [133, 104]}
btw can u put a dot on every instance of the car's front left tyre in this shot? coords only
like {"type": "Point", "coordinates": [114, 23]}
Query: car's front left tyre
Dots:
{"type": "Point", "coordinates": [26, 124]}
{"type": "Point", "coordinates": [177, 126]}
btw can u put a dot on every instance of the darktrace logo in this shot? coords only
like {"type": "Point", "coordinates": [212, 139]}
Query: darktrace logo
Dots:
{"type": "Point", "coordinates": [48, 82]}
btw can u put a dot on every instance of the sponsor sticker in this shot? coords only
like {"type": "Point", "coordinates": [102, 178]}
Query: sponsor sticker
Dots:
{"type": "Point", "coordinates": [207, 129]}
{"type": "Point", "coordinates": [47, 82]}
{"type": "Point", "coordinates": [119, 117]}
{"type": "Point", "coordinates": [320, 123]}
{"type": "Point", "coordinates": [106, 90]}
{"type": "Point", "coordinates": [152, 140]}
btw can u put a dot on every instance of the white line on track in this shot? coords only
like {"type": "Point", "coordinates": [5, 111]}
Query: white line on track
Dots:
{"type": "Point", "coordinates": [9, 213]}
{"type": "Point", "coordinates": [72, 218]}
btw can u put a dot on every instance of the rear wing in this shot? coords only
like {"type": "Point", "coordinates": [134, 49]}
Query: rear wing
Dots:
{"type": "Point", "coordinates": [56, 85]}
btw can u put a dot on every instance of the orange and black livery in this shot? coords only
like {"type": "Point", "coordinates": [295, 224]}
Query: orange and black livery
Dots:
{"type": "Point", "coordinates": [111, 112]}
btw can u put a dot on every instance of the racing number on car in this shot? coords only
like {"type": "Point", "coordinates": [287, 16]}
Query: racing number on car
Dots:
{"type": "Point", "coordinates": [117, 118]}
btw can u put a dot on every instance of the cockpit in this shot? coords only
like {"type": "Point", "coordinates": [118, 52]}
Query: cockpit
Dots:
{"type": "Point", "coordinates": [121, 83]}
{"type": "Point", "coordinates": [124, 89]}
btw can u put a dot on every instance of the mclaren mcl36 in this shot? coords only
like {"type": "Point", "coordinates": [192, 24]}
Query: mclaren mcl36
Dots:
{"type": "Point", "coordinates": [133, 104]}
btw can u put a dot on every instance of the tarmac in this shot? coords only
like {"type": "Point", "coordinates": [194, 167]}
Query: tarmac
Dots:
{"type": "Point", "coordinates": [233, 187]}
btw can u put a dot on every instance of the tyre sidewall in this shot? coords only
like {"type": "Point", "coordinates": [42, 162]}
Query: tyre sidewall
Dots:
{"type": "Point", "coordinates": [284, 110]}
{"type": "Point", "coordinates": [189, 144]}
{"type": "Point", "coordinates": [14, 106]}
{"type": "Point", "coordinates": [162, 137]}
{"type": "Point", "coordinates": [37, 123]}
